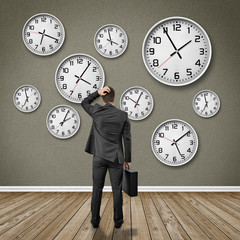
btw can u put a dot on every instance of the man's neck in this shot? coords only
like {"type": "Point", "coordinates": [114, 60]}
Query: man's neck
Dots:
{"type": "Point", "coordinates": [108, 102]}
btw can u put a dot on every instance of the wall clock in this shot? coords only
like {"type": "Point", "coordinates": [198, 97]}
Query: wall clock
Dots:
{"type": "Point", "coordinates": [43, 34]}
{"type": "Point", "coordinates": [26, 98]}
{"type": "Point", "coordinates": [176, 51]}
{"type": "Point", "coordinates": [63, 121]}
{"type": "Point", "coordinates": [174, 142]}
{"type": "Point", "coordinates": [206, 103]}
{"type": "Point", "coordinates": [137, 102]}
{"type": "Point", "coordinates": [79, 75]}
{"type": "Point", "coordinates": [110, 41]}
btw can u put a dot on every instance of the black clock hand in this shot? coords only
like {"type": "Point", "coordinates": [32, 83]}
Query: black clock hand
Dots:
{"type": "Point", "coordinates": [206, 100]}
{"type": "Point", "coordinates": [26, 96]}
{"type": "Point", "coordinates": [42, 36]}
{"type": "Point", "coordinates": [138, 99]}
{"type": "Point", "coordinates": [109, 36]}
{"type": "Point", "coordinates": [165, 31]}
{"type": "Point", "coordinates": [66, 115]}
{"type": "Point", "coordinates": [180, 48]}
{"type": "Point", "coordinates": [82, 80]}
{"type": "Point", "coordinates": [177, 147]}
{"type": "Point", "coordinates": [133, 101]}
{"type": "Point", "coordinates": [181, 137]}
{"type": "Point", "coordinates": [112, 41]}
{"type": "Point", "coordinates": [49, 36]}
{"type": "Point", "coordinates": [204, 108]}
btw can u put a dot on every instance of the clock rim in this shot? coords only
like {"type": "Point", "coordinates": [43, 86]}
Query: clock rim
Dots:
{"type": "Point", "coordinates": [70, 56]}
{"type": "Point", "coordinates": [149, 95]}
{"type": "Point", "coordinates": [67, 106]}
{"type": "Point", "coordinates": [42, 54]}
{"type": "Point", "coordinates": [39, 102]}
{"type": "Point", "coordinates": [119, 54]}
{"type": "Point", "coordinates": [197, 142]}
{"type": "Point", "coordinates": [169, 19]}
{"type": "Point", "coordinates": [201, 115]}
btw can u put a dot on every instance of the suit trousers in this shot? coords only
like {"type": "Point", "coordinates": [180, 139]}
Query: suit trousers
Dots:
{"type": "Point", "coordinates": [99, 169]}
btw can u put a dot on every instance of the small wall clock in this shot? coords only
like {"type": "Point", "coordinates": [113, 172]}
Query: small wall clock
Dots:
{"type": "Point", "coordinates": [110, 41]}
{"type": "Point", "coordinates": [63, 121]}
{"type": "Point", "coordinates": [26, 98]}
{"type": "Point", "coordinates": [43, 34]}
{"type": "Point", "coordinates": [174, 142]}
{"type": "Point", "coordinates": [206, 103]}
{"type": "Point", "coordinates": [176, 51]}
{"type": "Point", "coordinates": [79, 75]}
{"type": "Point", "coordinates": [137, 102]}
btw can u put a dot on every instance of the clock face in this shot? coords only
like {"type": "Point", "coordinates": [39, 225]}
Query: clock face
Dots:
{"type": "Point", "coordinates": [206, 103]}
{"type": "Point", "coordinates": [27, 98]}
{"type": "Point", "coordinates": [77, 76]}
{"type": "Point", "coordinates": [63, 121]}
{"type": "Point", "coordinates": [137, 102]}
{"type": "Point", "coordinates": [110, 41]}
{"type": "Point", "coordinates": [176, 51]}
{"type": "Point", "coordinates": [43, 34]}
{"type": "Point", "coordinates": [174, 142]}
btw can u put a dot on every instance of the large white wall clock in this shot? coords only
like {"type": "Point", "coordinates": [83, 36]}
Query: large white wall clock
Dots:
{"type": "Point", "coordinates": [63, 121]}
{"type": "Point", "coordinates": [137, 102]}
{"type": "Point", "coordinates": [110, 41]}
{"type": "Point", "coordinates": [26, 98]}
{"type": "Point", "coordinates": [79, 75]}
{"type": "Point", "coordinates": [174, 142]}
{"type": "Point", "coordinates": [43, 34]}
{"type": "Point", "coordinates": [206, 103]}
{"type": "Point", "coordinates": [176, 51]}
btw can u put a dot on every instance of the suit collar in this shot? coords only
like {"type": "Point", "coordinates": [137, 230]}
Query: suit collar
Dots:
{"type": "Point", "coordinates": [109, 104]}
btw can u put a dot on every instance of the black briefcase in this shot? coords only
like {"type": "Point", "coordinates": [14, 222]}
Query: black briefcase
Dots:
{"type": "Point", "coordinates": [130, 182]}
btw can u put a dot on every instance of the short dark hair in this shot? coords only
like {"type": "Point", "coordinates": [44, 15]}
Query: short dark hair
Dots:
{"type": "Point", "coordinates": [109, 97]}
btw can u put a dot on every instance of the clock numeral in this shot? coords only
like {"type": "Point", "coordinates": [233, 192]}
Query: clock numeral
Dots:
{"type": "Point", "coordinates": [174, 159]}
{"type": "Point", "coordinates": [97, 78]}
{"type": "Point", "coordinates": [136, 115]}
{"type": "Point", "coordinates": [165, 69]}
{"type": "Point", "coordinates": [198, 63]}
{"type": "Point", "coordinates": [61, 78]}
{"type": "Point", "coordinates": [126, 108]}
{"type": "Point", "coordinates": [43, 19]}
{"type": "Point", "coordinates": [165, 30]}
{"type": "Point", "coordinates": [116, 50]}
{"type": "Point", "coordinates": [94, 69]}
{"type": "Point", "coordinates": [157, 142]}
{"type": "Point", "coordinates": [152, 51]}
{"type": "Point", "coordinates": [174, 126]}
{"type": "Point", "coordinates": [188, 29]}
{"type": "Point", "coordinates": [79, 95]}
{"type": "Point", "coordinates": [95, 86]}
{"type": "Point", "coordinates": [166, 128]}
{"type": "Point", "coordinates": [63, 109]}
{"type": "Point", "coordinates": [160, 150]}
{"type": "Point", "coordinates": [191, 142]}
{"type": "Point", "coordinates": [189, 72]}
{"type": "Point", "coordinates": [66, 70]}
{"type": "Point", "coordinates": [28, 34]}
{"type": "Point", "coordinates": [51, 46]}
{"type": "Point", "coordinates": [156, 40]}
{"type": "Point", "coordinates": [120, 34]}
{"type": "Point", "coordinates": [201, 51]}
{"type": "Point", "coordinates": [69, 131]}
{"type": "Point", "coordinates": [79, 61]}
{"type": "Point", "coordinates": [53, 115]}
{"type": "Point", "coordinates": [176, 75]}
{"type": "Point", "coordinates": [177, 27]}
{"type": "Point", "coordinates": [166, 156]}
{"type": "Point", "coordinates": [30, 41]}
{"type": "Point", "coordinates": [161, 135]}
{"type": "Point", "coordinates": [36, 46]}
{"type": "Point", "coordinates": [197, 38]}
{"type": "Point", "coordinates": [56, 26]}
{"type": "Point", "coordinates": [101, 35]}
{"type": "Point", "coordinates": [31, 27]}
{"type": "Point", "coordinates": [71, 63]}
{"type": "Point", "coordinates": [64, 86]}
{"type": "Point", "coordinates": [183, 156]}
{"type": "Point", "coordinates": [136, 91]}
{"type": "Point", "coordinates": [36, 21]}
{"type": "Point", "coordinates": [189, 150]}
{"type": "Point", "coordinates": [155, 62]}
{"type": "Point", "coordinates": [43, 49]}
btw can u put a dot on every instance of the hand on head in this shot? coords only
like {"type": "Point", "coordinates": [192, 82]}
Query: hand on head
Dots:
{"type": "Point", "coordinates": [104, 91]}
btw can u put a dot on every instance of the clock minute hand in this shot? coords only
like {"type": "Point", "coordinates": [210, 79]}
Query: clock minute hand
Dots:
{"type": "Point", "coordinates": [50, 36]}
{"type": "Point", "coordinates": [138, 99]}
{"type": "Point", "coordinates": [109, 36]}
{"type": "Point", "coordinates": [133, 100]}
{"type": "Point", "coordinates": [181, 137]}
{"type": "Point", "coordinates": [177, 147]}
{"type": "Point", "coordinates": [165, 31]}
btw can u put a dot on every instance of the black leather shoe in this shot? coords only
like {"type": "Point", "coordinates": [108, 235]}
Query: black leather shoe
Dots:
{"type": "Point", "coordinates": [95, 225]}
{"type": "Point", "coordinates": [118, 225]}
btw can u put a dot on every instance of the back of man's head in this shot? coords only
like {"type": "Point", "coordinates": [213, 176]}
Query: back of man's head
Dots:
{"type": "Point", "coordinates": [109, 97]}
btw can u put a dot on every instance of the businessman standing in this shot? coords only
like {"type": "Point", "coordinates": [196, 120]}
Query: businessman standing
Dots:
{"type": "Point", "coordinates": [110, 125]}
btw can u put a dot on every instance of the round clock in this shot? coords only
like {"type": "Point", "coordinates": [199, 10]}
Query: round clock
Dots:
{"type": "Point", "coordinates": [79, 75]}
{"type": "Point", "coordinates": [63, 121]}
{"type": "Point", "coordinates": [43, 34]}
{"type": "Point", "coordinates": [206, 103]}
{"type": "Point", "coordinates": [176, 51]}
{"type": "Point", "coordinates": [26, 98]}
{"type": "Point", "coordinates": [137, 102]}
{"type": "Point", "coordinates": [174, 142]}
{"type": "Point", "coordinates": [110, 41]}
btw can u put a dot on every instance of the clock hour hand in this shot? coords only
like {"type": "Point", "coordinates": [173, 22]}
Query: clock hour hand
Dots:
{"type": "Point", "coordinates": [109, 36]}
{"type": "Point", "coordinates": [181, 137]}
{"type": "Point", "coordinates": [82, 80]}
{"type": "Point", "coordinates": [43, 33]}
{"type": "Point", "coordinates": [112, 41]}
{"type": "Point", "coordinates": [133, 100]}
{"type": "Point", "coordinates": [177, 51]}
{"type": "Point", "coordinates": [26, 95]}
{"type": "Point", "coordinates": [205, 100]}
{"type": "Point", "coordinates": [166, 32]}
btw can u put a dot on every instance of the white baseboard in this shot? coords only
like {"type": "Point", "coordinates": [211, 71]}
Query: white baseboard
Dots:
{"type": "Point", "coordinates": [109, 189]}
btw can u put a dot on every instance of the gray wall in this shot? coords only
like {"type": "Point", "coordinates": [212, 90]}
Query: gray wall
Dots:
{"type": "Point", "coordinates": [31, 156]}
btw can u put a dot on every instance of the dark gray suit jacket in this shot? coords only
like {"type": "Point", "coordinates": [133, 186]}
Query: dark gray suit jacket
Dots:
{"type": "Point", "coordinates": [109, 126]}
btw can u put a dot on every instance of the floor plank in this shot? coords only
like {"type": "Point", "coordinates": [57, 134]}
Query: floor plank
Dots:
{"type": "Point", "coordinates": [139, 223]}
{"type": "Point", "coordinates": [186, 221]}
{"type": "Point", "coordinates": [227, 201]}
{"type": "Point", "coordinates": [212, 216]}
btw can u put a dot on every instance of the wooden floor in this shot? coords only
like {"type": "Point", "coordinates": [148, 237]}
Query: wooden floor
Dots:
{"type": "Point", "coordinates": [149, 216]}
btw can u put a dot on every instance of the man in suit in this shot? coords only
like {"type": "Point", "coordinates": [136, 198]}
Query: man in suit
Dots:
{"type": "Point", "coordinates": [109, 126]}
